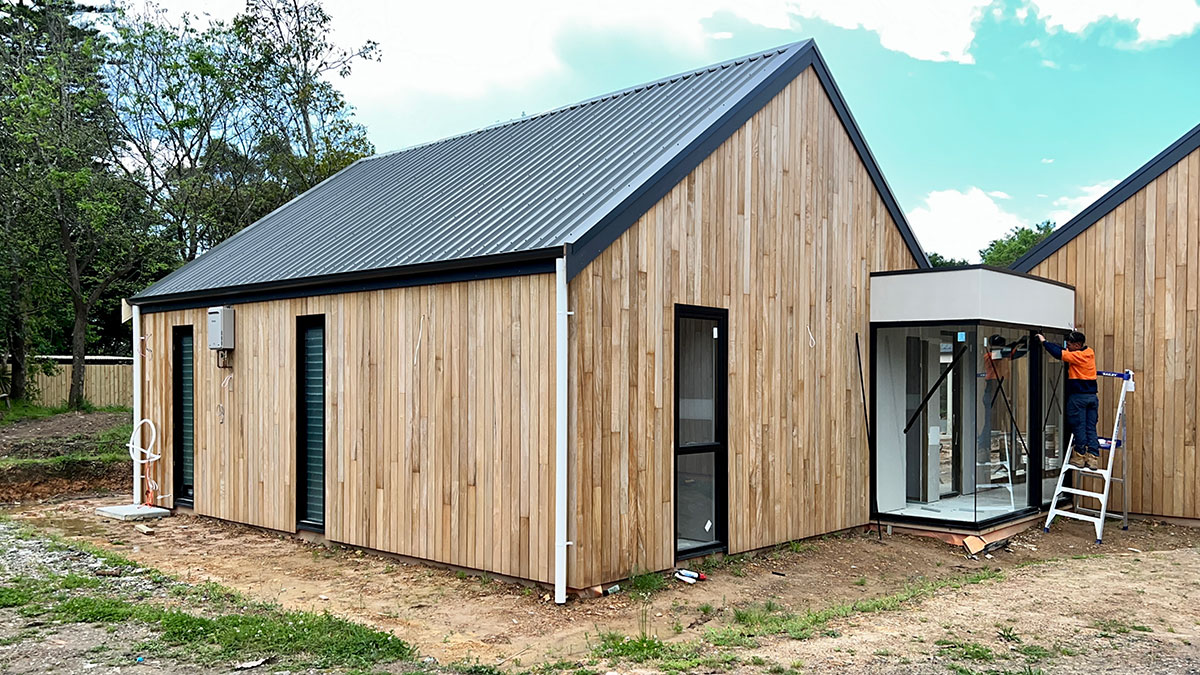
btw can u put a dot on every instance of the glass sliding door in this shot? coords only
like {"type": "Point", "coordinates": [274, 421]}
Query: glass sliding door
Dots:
{"type": "Point", "coordinates": [700, 429]}
{"type": "Point", "coordinates": [1054, 437]}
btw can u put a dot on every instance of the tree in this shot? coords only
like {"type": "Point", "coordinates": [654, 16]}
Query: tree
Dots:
{"type": "Point", "coordinates": [938, 260]}
{"type": "Point", "coordinates": [1004, 252]}
{"type": "Point", "coordinates": [86, 219]}
{"type": "Point", "coordinates": [305, 125]}
{"type": "Point", "coordinates": [178, 91]}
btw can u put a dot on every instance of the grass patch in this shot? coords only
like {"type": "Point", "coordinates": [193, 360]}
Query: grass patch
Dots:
{"type": "Point", "coordinates": [646, 583]}
{"type": "Point", "coordinates": [966, 651]}
{"type": "Point", "coordinates": [25, 410]}
{"type": "Point", "coordinates": [802, 546]}
{"type": "Point", "coordinates": [1111, 627]}
{"type": "Point", "coordinates": [1034, 653]}
{"type": "Point", "coordinates": [666, 656]}
{"type": "Point", "coordinates": [234, 627]}
{"type": "Point", "coordinates": [770, 619]}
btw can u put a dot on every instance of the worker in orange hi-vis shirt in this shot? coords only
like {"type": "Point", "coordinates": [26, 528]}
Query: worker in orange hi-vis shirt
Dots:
{"type": "Point", "coordinates": [1082, 402]}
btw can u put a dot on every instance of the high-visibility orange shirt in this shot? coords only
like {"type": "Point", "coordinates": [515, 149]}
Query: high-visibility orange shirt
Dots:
{"type": "Point", "coordinates": [1081, 365]}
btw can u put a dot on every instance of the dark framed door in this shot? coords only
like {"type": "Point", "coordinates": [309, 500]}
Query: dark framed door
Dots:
{"type": "Point", "coordinates": [701, 429]}
{"type": "Point", "coordinates": [310, 422]}
{"type": "Point", "coordinates": [184, 415]}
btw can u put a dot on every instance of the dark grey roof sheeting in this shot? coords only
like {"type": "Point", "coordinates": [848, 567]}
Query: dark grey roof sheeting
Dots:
{"type": "Point", "coordinates": [1139, 179]}
{"type": "Point", "coordinates": [538, 184]}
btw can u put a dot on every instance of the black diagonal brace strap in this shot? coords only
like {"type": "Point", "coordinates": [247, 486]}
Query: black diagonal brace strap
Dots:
{"type": "Point", "coordinates": [929, 394]}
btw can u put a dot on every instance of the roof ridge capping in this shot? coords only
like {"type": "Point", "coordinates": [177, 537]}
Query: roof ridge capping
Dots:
{"type": "Point", "coordinates": [617, 93]}
{"type": "Point", "coordinates": [1065, 233]}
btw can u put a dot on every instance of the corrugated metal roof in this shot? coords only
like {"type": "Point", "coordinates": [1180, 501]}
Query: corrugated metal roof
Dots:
{"type": "Point", "coordinates": [531, 184]}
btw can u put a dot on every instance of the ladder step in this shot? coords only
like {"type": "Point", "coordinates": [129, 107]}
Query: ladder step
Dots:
{"type": "Point", "coordinates": [1083, 493]}
{"type": "Point", "coordinates": [1096, 472]}
{"type": "Point", "coordinates": [1075, 515]}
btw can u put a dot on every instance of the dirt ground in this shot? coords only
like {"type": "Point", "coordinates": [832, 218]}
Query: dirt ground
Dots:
{"type": "Point", "coordinates": [72, 433]}
{"type": "Point", "coordinates": [454, 617]}
{"type": "Point", "coordinates": [50, 432]}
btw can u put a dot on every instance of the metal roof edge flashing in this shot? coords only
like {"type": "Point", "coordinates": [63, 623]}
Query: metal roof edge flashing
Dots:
{"type": "Point", "coordinates": [538, 261]}
{"type": "Point", "coordinates": [1119, 194]}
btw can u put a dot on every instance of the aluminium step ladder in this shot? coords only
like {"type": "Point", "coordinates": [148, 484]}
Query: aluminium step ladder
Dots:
{"type": "Point", "coordinates": [1112, 445]}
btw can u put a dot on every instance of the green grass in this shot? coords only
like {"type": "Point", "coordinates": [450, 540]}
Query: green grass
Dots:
{"type": "Point", "coordinates": [1110, 627]}
{"type": "Point", "coordinates": [310, 639]}
{"type": "Point", "coordinates": [646, 583]}
{"type": "Point", "coordinates": [755, 621]}
{"type": "Point", "coordinates": [1034, 653]}
{"type": "Point", "coordinates": [667, 656]}
{"type": "Point", "coordinates": [966, 651]}
{"type": "Point", "coordinates": [25, 410]}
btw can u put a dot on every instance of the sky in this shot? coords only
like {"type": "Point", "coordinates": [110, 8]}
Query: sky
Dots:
{"type": "Point", "coordinates": [983, 115]}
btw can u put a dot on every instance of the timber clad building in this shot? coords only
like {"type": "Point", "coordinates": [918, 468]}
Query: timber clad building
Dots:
{"type": "Point", "coordinates": [400, 378]}
{"type": "Point", "coordinates": [1134, 259]}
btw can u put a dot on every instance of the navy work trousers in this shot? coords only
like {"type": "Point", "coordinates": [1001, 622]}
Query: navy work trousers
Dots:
{"type": "Point", "coordinates": [1081, 420]}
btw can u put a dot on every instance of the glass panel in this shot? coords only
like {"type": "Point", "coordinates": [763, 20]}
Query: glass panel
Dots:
{"type": "Point", "coordinates": [697, 381]}
{"type": "Point", "coordinates": [925, 375]}
{"type": "Point", "coordinates": [696, 509]}
{"type": "Point", "coordinates": [1054, 439]}
{"type": "Point", "coordinates": [1002, 453]}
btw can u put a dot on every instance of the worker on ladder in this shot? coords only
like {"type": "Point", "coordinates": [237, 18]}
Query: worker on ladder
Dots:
{"type": "Point", "coordinates": [1082, 402]}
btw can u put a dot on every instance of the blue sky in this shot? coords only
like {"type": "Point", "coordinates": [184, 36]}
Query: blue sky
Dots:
{"type": "Point", "coordinates": [983, 115]}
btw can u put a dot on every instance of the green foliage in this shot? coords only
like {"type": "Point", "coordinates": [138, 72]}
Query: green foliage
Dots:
{"type": "Point", "coordinates": [938, 260]}
{"type": "Point", "coordinates": [770, 619]}
{"type": "Point", "coordinates": [1004, 252]}
{"type": "Point", "coordinates": [241, 633]}
{"type": "Point", "coordinates": [966, 651]}
{"type": "Point", "coordinates": [646, 584]}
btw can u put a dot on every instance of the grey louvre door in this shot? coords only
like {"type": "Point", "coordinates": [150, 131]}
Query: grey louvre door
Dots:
{"type": "Point", "coordinates": [311, 416]}
{"type": "Point", "coordinates": [184, 416]}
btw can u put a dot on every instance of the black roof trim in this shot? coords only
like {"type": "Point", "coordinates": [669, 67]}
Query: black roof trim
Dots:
{"type": "Point", "coordinates": [1139, 179]}
{"type": "Point", "coordinates": [539, 261]}
{"type": "Point", "coordinates": [959, 268]}
{"type": "Point", "coordinates": [597, 239]}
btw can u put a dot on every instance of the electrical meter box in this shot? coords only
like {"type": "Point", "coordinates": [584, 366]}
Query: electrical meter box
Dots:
{"type": "Point", "coordinates": [220, 327]}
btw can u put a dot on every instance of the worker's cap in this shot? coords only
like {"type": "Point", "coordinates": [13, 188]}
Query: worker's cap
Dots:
{"type": "Point", "coordinates": [1076, 336]}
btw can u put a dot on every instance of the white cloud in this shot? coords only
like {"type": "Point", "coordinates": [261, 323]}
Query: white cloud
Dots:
{"type": "Point", "coordinates": [1043, 196]}
{"type": "Point", "coordinates": [1049, 64]}
{"type": "Point", "coordinates": [723, 35]}
{"type": "Point", "coordinates": [929, 30]}
{"type": "Point", "coordinates": [1047, 160]}
{"type": "Point", "coordinates": [1022, 14]}
{"type": "Point", "coordinates": [997, 194]}
{"type": "Point", "coordinates": [1154, 20]}
{"type": "Point", "coordinates": [1067, 207]}
{"type": "Point", "coordinates": [958, 224]}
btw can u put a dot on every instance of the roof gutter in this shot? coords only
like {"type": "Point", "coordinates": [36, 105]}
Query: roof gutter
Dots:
{"type": "Point", "coordinates": [536, 261]}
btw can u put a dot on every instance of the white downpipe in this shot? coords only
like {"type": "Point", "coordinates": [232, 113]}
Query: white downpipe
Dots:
{"type": "Point", "coordinates": [560, 435]}
{"type": "Point", "coordinates": [138, 351]}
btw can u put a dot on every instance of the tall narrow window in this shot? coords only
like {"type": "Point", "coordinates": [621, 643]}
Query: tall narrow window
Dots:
{"type": "Point", "coordinates": [184, 416]}
{"type": "Point", "coordinates": [310, 408]}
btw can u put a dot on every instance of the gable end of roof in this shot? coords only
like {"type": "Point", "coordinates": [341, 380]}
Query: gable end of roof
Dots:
{"type": "Point", "coordinates": [600, 236]}
{"type": "Point", "coordinates": [1139, 179]}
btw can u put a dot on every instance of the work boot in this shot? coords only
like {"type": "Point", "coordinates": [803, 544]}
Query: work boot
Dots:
{"type": "Point", "coordinates": [1093, 461]}
{"type": "Point", "coordinates": [1078, 459]}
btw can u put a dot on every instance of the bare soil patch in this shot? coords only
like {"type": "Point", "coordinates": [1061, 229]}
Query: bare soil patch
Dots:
{"type": "Point", "coordinates": [1126, 612]}
{"type": "Point", "coordinates": [57, 435]}
{"type": "Point", "coordinates": [455, 617]}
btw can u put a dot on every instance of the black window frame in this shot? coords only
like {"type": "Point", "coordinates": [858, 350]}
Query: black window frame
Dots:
{"type": "Point", "coordinates": [719, 447]}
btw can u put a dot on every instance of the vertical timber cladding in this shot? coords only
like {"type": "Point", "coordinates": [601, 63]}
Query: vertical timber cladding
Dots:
{"type": "Point", "coordinates": [439, 420]}
{"type": "Point", "coordinates": [782, 226]}
{"type": "Point", "coordinates": [1137, 279]}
